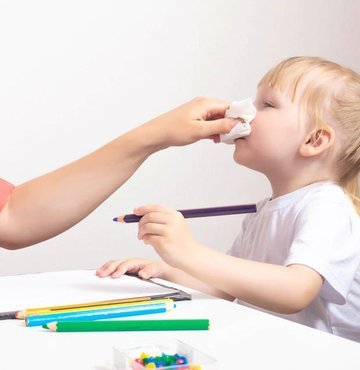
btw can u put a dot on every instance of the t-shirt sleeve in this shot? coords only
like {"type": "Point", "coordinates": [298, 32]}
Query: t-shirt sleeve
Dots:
{"type": "Point", "coordinates": [5, 190]}
{"type": "Point", "coordinates": [327, 240]}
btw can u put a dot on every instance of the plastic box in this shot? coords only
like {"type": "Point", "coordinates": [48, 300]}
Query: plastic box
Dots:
{"type": "Point", "coordinates": [124, 359]}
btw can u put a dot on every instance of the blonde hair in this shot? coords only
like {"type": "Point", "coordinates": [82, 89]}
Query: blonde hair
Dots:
{"type": "Point", "coordinates": [331, 96]}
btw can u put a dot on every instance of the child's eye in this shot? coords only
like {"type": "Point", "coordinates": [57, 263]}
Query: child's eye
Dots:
{"type": "Point", "coordinates": [268, 104]}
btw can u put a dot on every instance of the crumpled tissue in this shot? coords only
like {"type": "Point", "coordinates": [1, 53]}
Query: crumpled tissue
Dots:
{"type": "Point", "coordinates": [246, 111]}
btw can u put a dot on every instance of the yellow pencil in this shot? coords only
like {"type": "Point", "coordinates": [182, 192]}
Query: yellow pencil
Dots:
{"type": "Point", "coordinates": [100, 307]}
{"type": "Point", "coordinates": [43, 310]}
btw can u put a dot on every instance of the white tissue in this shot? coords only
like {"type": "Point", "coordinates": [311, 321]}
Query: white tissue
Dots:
{"type": "Point", "coordinates": [245, 110]}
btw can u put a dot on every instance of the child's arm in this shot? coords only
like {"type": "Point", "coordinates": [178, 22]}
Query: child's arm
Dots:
{"type": "Point", "coordinates": [148, 269]}
{"type": "Point", "coordinates": [273, 287]}
{"type": "Point", "coordinates": [48, 205]}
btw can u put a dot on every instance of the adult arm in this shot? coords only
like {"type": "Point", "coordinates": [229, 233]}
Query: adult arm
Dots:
{"type": "Point", "coordinates": [50, 204]}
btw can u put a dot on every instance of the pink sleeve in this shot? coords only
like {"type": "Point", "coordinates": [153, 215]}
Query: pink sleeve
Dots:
{"type": "Point", "coordinates": [5, 190]}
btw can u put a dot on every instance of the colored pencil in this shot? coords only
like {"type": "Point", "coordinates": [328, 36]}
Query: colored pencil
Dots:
{"type": "Point", "coordinates": [106, 313]}
{"type": "Point", "coordinates": [129, 325]}
{"type": "Point", "coordinates": [200, 212]}
{"type": "Point", "coordinates": [8, 315]}
{"type": "Point", "coordinates": [100, 307]}
{"type": "Point", "coordinates": [53, 309]}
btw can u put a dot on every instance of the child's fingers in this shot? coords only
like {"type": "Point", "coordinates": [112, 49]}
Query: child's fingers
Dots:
{"type": "Point", "coordinates": [107, 268]}
{"type": "Point", "coordinates": [148, 208]}
{"type": "Point", "coordinates": [130, 265]}
{"type": "Point", "coordinates": [117, 268]}
{"type": "Point", "coordinates": [120, 270]}
{"type": "Point", "coordinates": [144, 270]}
{"type": "Point", "coordinates": [154, 218]}
{"type": "Point", "coordinates": [151, 229]}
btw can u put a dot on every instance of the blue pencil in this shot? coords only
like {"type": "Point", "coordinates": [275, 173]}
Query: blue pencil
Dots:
{"type": "Point", "coordinates": [199, 212]}
{"type": "Point", "coordinates": [100, 314]}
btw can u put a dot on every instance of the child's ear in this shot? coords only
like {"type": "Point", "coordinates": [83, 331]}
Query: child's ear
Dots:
{"type": "Point", "coordinates": [317, 141]}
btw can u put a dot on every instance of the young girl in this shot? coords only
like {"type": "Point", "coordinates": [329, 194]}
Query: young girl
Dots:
{"type": "Point", "coordinates": [299, 255]}
{"type": "Point", "coordinates": [48, 205]}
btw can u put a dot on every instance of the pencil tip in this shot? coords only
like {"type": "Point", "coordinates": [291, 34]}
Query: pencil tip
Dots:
{"type": "Point", "coordinates": [119, 218]}
{"type": "Point", "coordinates": [51, 326]}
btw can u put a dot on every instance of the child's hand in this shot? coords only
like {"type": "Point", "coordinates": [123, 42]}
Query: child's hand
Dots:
{"type": "Point", "coordinates": [197, 119]}
{"type": "Point", "coordinates": [145, 269]}
{"type": "Point", "coordinates": [166, 230]}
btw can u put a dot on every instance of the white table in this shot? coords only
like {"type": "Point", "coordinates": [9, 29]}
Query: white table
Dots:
{"type": "Point", "coordinates": [240, 338]}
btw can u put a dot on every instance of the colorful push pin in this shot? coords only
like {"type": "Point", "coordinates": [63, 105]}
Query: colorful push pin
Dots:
{"type": "Point", "coordinates": [164, 361]}
{"type": "Point", "coordinates": [144, 355]}
{"type": "Point", "coordinates": [181, 360]}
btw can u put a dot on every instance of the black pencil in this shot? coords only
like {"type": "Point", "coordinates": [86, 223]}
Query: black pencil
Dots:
{"type": "Point", "coordinates": [199, 212]}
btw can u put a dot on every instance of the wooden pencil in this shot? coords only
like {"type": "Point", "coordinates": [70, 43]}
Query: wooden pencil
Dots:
{"type": "Point", "coordinates": [198, 212]}
{"type": "Point", "coordinates": [101, 314]}
{"type": "Point", "coordinates": [40, 310]}
{"type": "Point", "coordinates": [129, 325]}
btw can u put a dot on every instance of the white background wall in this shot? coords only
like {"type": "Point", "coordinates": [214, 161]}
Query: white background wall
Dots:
{"type": "Point", "coordinates": [74, 74]}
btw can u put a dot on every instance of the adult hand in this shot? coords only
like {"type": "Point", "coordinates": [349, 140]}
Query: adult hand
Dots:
{"type": "Point", "coordinates": [200, 118]}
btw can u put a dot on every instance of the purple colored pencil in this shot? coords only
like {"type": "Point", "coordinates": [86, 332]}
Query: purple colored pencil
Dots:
{"type": "Point", "coordinates": [8, 315]}
{"type": "Point", "coordinates": [200, 212]}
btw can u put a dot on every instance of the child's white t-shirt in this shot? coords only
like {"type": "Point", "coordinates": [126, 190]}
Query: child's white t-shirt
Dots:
{"type": "Point", "coordinates": [316, 226]}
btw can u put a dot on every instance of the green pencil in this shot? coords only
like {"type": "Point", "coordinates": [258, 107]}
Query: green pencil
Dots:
{"type": "Point", "coordinates": [129, 325]}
